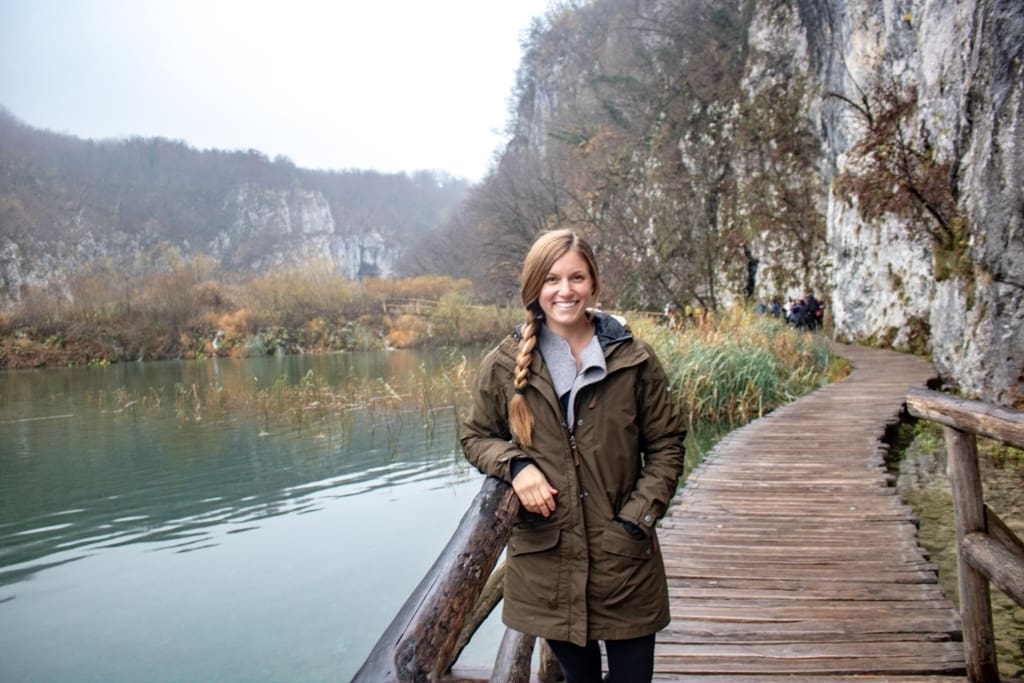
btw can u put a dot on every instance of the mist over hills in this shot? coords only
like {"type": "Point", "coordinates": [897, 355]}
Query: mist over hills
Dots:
{"type": "Point", "coordinates": [68, 203]}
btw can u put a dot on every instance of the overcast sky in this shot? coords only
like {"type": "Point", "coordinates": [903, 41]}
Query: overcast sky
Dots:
{"type": "Point", "coordinates": [390, 85]}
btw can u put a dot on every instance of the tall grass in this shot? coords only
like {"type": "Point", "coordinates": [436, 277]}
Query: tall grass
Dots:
{"type": "Point", "coordinates": [729, 369]}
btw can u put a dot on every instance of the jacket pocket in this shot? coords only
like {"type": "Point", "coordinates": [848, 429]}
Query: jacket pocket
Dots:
{"type": "Point", "coordinates": [533, 566]}
{"type": "Point", "coordinates": [617, 541]}
{"type": "Point", "coordinates": [528, 540]}
{"type": "Point", "coordinates": [623, 571]}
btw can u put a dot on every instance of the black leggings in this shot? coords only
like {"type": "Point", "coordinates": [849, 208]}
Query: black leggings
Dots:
{"type": "Point", "coordinates": [629, 661]}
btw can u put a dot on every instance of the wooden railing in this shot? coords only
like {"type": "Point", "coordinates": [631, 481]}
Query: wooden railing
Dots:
{"type": "Point", "coordinates": [987, 550]}
{"type": "Point", "coordinates": [459, 591]}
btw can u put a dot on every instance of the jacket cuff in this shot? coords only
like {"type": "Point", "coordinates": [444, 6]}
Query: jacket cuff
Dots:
{"type": "Point", "coordinates": [517, 465]}
{"type": "Point", "coordinates": [645, 519]}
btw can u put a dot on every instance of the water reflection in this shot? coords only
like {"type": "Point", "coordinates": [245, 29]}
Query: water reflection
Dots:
{"type": "Point", "coordinates": [116, 490]}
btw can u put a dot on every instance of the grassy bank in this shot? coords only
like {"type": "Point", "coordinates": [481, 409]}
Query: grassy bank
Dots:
{"type": "Point", "coordinates": [726, 370]}
{"type": "Point", "coordinates": [193, 310]}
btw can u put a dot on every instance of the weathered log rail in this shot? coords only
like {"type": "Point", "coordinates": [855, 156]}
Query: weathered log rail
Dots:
{"type": "Point", "coordinates": [420, 644]}
{"type": "Point", "coordinates": [459, 591]}
{"type": "Point", "coordinates": [987, 550]}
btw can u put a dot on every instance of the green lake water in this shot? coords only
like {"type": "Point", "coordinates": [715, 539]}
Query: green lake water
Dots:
{"type": "Point", "coordinates": [146, 535]}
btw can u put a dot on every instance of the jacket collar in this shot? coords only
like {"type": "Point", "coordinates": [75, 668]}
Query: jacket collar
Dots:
{"type": "Point", "coordinates": [609, 329]}
{"type": "Point", "coordinates": [613, 336]}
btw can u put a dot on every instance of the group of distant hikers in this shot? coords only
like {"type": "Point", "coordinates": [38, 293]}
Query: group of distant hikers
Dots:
{"type": "Point", "coordinates": [806, 313]}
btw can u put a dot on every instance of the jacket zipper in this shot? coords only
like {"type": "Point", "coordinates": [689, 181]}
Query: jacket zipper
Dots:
{"type": "Point", "coordinates": [575, 451]}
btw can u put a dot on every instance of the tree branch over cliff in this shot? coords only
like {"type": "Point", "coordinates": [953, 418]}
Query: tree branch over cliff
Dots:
{"type": "Point", "coordinates": [891, 170]}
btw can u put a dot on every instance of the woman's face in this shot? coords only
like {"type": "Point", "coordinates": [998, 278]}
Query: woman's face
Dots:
{"type": "Point", "coordinates": [567, 292]}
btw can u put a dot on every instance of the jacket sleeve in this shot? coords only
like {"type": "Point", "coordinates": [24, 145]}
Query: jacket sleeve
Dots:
{"type": "Point", "coordinates": [662, 433]}
{"type": "Point", "coordinates": [485, 435]}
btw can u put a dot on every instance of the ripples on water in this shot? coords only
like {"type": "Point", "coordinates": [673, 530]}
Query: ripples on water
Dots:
{"type": "Point", "coordinates": [140, 546]}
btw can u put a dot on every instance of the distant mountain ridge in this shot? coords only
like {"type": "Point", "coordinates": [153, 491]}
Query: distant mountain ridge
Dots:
{"type": "Point", "coordinates": [68, 203]}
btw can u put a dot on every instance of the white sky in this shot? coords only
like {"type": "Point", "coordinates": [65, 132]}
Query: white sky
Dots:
{"type": "Point", "coordinates": [389, 85]}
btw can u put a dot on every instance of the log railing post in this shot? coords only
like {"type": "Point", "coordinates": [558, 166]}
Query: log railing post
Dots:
{"type": "Point", "coordinates": [515, 655]}
{"type": "Point", "coordinates": [420, 644]}
{"type": "Point", "coordinates": [986, 549]}
{"type": "Point", "coordinates": [975, 606]}
{"type": "Point", "coordinates": [548, 671]}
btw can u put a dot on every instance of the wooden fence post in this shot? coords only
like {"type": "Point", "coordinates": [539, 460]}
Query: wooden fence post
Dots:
{"type": "Point", "coordinates": [975, 608]}
{"type": "Point", "coordinates": [515, 655]}
{"type": "Point", "coordinates": [549, 671]}
{"type": "Point", "coordinates": [419, 644]}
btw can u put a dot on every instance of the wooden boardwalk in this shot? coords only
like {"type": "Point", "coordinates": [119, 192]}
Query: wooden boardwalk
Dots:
{"type": "Point", "coordinates": [791, 557]}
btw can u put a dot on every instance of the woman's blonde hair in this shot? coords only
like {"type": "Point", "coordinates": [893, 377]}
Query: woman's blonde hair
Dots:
{"type": "Point", "coordinates": [547, 249]}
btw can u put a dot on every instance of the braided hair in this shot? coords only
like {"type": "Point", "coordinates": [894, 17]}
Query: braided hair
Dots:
{"type": "Point", "coordinates": [548, 248]}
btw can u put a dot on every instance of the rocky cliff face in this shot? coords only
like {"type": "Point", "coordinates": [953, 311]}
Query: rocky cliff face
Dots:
{"type": "Point", "coordinates": [965, 60]}
{"type": "Point", "coordinates": [893, 281]}
{"type": "Point", "coordinates": [268, 227]}
{"type": "Point", "coordinates": [127, 207]}
{"type": "Point", "coordinates": [263, 227]}
{"type": "Point", "coordinates": [872, 152]}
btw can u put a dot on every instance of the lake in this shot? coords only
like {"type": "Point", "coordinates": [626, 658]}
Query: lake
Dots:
{"type": "Point", "coordinates": [223, 520]}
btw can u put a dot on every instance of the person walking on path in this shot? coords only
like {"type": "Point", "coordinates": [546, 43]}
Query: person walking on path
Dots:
{"type": "Point", "coordinates": [578, 415]}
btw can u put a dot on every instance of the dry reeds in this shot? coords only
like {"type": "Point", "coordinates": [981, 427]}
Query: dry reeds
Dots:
{"type": "Point", "coordinates": [735, 367]}
{"type": "Point", "coordinates": [427, 400]}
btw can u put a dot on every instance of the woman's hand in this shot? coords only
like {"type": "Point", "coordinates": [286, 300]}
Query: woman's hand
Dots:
{"type": "Point", "coordinates": [534, 491]}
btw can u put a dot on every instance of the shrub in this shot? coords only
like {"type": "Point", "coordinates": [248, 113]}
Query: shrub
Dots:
{"type": "Point", "coordinates": [407, 330]}
{"type": "Point", "coordinates": [295, 294]}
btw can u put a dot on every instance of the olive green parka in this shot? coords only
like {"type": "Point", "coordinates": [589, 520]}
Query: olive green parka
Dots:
{"type": "Point", "coordinates": [578, 575]}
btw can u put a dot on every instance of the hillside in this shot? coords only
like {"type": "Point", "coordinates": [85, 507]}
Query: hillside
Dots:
{"type": "Point", "coordinates": [68, 204]}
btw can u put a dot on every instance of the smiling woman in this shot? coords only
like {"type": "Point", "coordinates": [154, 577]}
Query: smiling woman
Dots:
{"type": "Point", "coordinates": [569, 289]}
{"type": "Point", "coordinates": [577, 415]}
{"type": "Point", "coordinates": [329, 85]}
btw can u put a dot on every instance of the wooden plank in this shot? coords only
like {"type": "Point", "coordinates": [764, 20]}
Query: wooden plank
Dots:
{"type": "Point", "coordinates": [932, 626]}
{"type": "Point", "coordinates": [995, 562]}
{"type": "Point", "coordinates": [704, 588]}
{"type": "Point", "coordinates": [857, 678]}
{"type": "Point", "coordinates": [816, 574]}
{"type": "Point", "coordinates": [822, 610]}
